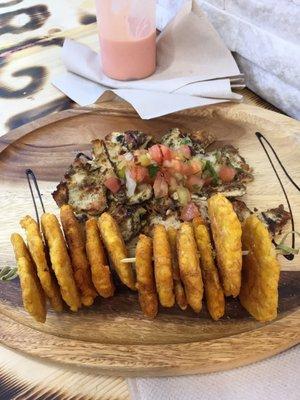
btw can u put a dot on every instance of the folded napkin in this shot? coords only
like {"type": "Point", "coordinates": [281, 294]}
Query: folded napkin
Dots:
{"type": "Point", "coordinates": [194, 68]}
{"type": "Point", "coordinates": [274, 378]}
{"type": "Point", "coordinates": [264, 37]}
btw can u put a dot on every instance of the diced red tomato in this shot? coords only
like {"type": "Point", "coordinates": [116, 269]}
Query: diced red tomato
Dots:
{"type": "Point", "coordinates": [185, 151]}
{"type": "Point", "coordinates": [166, 152]}
{"type": "Point", "coordinates": [160, 186]}
{"type": "Point", "coordinates": [113, 184]}
{"type": "Point", "coordinates": [189, 212]}
{"type": "Point", "coordinates": [207, 181]}
{"type": "Point", "coordinates": [196, 166]}
{"type": "Point", "coordinates": [187, 169]}
{"type": "Point", "coordinates": [139, 173]}
{"type": "Point", "coordinates": [193, 181]}
{"type": "Point", "coordinates": [226, 173]}
{"type": "Point", "coordinates": [155, 153]}
{"type": "Point", "coordinates": [177, 166]}
{"type": "Point", "coordinates": [160, 153]}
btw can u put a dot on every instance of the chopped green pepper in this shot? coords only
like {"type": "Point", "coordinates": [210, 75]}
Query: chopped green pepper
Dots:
{"type": "Point", "coordinates": [186, 140]}
{"type": "Point", "coordinates": [212, 172]}
{"type": "Point", "coordinates": [153, 169]}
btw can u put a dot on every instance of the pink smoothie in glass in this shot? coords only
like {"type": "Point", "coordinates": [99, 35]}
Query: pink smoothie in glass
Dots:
{"type": "Point", "coordinates": [127, 41]}
{"type": "Point", "coordinates": [128, 59]}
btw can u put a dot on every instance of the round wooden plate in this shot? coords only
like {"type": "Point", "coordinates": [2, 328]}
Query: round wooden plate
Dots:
{"type": "Point", "coordinates": [113, 336]}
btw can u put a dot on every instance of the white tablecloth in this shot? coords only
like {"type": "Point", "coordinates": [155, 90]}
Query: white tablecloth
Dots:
{"type": "Point", "coordinates": [276, 378]}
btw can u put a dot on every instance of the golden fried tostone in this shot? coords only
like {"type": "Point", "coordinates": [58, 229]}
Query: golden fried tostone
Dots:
{"type": "Point", "coordinates": [145, 276]}
{"type": "Point", "coordinates": [260, 272]}
{"type": "Point", "coordinates": [33, 296]}
{"type": "Point", "coordinates": [76, 243]}
{"type": "Point", "coordinates": [189, 266]}
{"type": "Point", "coordinates": [213, 291]}
{"type": "Point", "coordinates": [60, 260]}
{"type": "Point", "coordinates": [37, 251]}
{"type": "Point", "coordinates": [115, 246]}
{"type": "Point", "coordinates": [101, 275]}
{"type": "Point", "coordinates": [163, 266]}
{"type": "Point", "coordinates": [227, 233]}
{"type": "Point", "coordinates": [178, 288]}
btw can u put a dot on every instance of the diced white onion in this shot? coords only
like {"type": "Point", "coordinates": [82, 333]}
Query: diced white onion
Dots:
{"type": "Point", "coordinates": [130, 184]}
{"type": "Point", "coordinates": [128, 156]}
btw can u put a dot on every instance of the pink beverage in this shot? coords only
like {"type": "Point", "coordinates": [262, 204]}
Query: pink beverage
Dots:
{"type": "Point", "coordinates": [127, 36]}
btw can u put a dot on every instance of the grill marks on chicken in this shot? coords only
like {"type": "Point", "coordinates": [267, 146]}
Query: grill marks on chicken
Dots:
{"type": "Point", "coordinates": [274, 218]}
{"type": "Point", "coordinates": [82, 187]}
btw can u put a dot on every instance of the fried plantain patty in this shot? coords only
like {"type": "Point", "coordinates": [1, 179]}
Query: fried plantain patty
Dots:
{"type": "Point", "coordinates": [227, 232]}
{"type": "Point", "coordinates": [33, 296]}
{"type": "Point", "coordinates": [260, 273]}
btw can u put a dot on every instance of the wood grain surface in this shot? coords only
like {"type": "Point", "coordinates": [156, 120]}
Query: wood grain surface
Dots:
{"type": "Point", "coordinates": [113, 336]}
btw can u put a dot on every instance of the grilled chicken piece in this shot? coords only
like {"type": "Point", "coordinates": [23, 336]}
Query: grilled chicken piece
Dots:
{"type": "Point", "coordinates": [175, 138]}
{"type": "Point", "coordinates": [118, 143]}
{"type": "Point", "coordinates": [162, 206]}
{"type": "Point", "coordinates": [131, 219]}
{"type": "Point", "coordinates": [102, 161]}
{"type": "Point", "coordinates": [82, 187]}
{"type": "Point", "coordinates": [242, 211]}
{"type": "Point", "coordinates": [143, 192]}
{"type": "Point", "coordinates": [232, 189]}
{"type": "Point", "coordinates": [137, 140]}
{"type": "Point", "coordinates": [274, 218]}
{"type": "Point", "coordinates": [170, 221]}
{"type": "Point", "coordinates": [229, 155]}
{"type": "Point", "coordinates": [162, 211]}
{"type": "Point", "coordinates": [201, 203]}
{"type": "Point", "coordinates": [115, 146]}
{"type": "Point", "coordinates": [198, 141]}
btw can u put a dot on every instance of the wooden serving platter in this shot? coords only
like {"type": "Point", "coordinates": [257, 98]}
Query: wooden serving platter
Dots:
{"type": "Point", "coordinates": [113, 336]}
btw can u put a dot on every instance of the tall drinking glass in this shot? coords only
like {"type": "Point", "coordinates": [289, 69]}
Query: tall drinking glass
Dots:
{"type": "Point", "coordinates": [127, 34]}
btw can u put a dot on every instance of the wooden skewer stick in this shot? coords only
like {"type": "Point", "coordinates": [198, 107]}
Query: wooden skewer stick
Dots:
{"type": "Point", "coordinates": [132, 259]}
{"type": "Point", "coordinates": [128, 260]}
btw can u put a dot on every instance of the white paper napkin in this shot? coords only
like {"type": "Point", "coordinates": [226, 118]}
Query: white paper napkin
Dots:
{"type": "Point", "coordinates": [274, 378]}
{"type": "Point", "coordinates": [193, 69]}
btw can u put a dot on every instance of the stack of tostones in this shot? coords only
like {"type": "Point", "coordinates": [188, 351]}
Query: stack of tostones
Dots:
{"type": "Point", "coordinates": [73, 264]}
